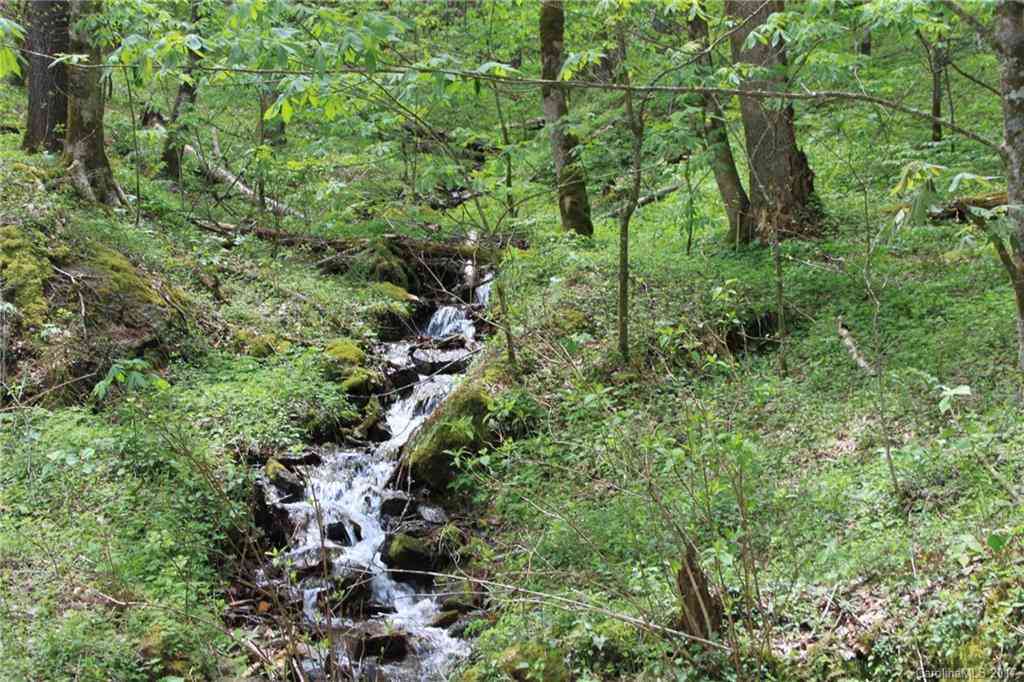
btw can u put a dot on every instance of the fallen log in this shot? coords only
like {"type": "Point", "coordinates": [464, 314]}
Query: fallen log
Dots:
{"type": "Point", "coordinates": [222, 175]}
{"type": "Point", "coordinates": [959, 209]}
{"type": "Point", "coordinates": [650, 198]}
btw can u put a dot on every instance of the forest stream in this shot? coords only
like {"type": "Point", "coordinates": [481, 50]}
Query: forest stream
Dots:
{"type": "Point", "coordinates": [345, 505]}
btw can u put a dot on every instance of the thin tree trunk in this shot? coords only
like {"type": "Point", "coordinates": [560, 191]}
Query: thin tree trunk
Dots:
{"type": "Point", "coordinates": [716, 138]}
{"type": "Point", "coordinates": [938, 68]}
{"type": "Point", "coordinates": [1009, 37]}
{"type": "Point", "coordinates": [635, 121]}
{"type": "Point", "coordinates": [781, 186]}
{"type": "Point", "coordinates": [573, 203]}
{"type": "Point", "coordinates": [506, 140]}
{"type": "Point", "coordinates": [85, 155]}
{"type": "Point", "coordinates": [183, 102]}
{"type": "Point", "coordinates": [47, 82]}
{"type": "Point", "coordinates": [864, 44]}
{"type": "Point", "coordinates": [273, 129]}
{"type": "Point", "coordinates": [935, 54]}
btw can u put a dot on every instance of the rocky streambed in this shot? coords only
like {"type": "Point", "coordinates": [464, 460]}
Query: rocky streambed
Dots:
{"type": "Point", "coordinates": [357, 544]}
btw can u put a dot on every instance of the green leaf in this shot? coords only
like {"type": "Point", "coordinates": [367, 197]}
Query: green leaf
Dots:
{"type": "Point", "coordinates": [997, 541]}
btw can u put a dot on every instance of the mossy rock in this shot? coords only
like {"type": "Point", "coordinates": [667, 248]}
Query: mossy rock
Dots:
{"type": "Point", "coordinates": [380, 263]}
{"type": "Point", "coordinates": [24, 269]}
{"type": "Point", "coordinates": [395, 292]}
{"type": "Point", "coordinates": [533, 662]}
{"type": "Point", "coordinates": [359, 381]}
{"type": "Point", "coordinates": [344, 359]}
{"type": "Point", "coordinates": [260, 345]}
{"type": "Point", "coordinates": [405, 552]}
{"type": "Point", "coordinates": [120, 276]}
{"type": "Point", "coordinates": [344, 354]}
{"type": "Point", "coordinates": [460, 424]}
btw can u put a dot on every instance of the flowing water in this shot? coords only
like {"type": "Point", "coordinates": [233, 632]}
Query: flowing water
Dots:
{"type": "Point", "coordinates": [339, 527]}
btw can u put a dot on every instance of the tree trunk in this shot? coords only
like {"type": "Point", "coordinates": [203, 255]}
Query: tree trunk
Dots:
{"type": "Point", "coordinates": [84, 152]}
{"type": "Point", "coordinates": [273, 131]}
{"type": "Point", "coordinates": [1009, 37]}
{"type": "Point", "coordinates": [781, 181]}
{"type": "Point", "coordinates": [636, 126]}
{"type": "Point", "coordinates": [47, 82]}
{"type": "Point", "coordinates": [935, 54]}
{"type": "Point", "coordinates": [183, 102]}
{"type": "Point", "coordinates": [864, 44]}
{"type": "Point", "coordinates": [573, 204]}
{"type": "Point", "coordinates": [938, 64]}
{"type": "Point", "coordinates": [716, 138]}
{"type": "Point", "coordinates": [701, 612]}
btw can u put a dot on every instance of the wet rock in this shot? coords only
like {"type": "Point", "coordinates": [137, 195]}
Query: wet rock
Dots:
{"type": "Point", "coordinates": [288, 482]}
{"type": "Point", "coordinates": [433, 361]}
{"type": "Point", "coordinates": [408, 553]}
{"type": "Point", "coordinates": [445, 619]}
{"type": "Point", "coordinates": [396, 505]}
{"type": "Point", "coordinates": [338, 532]}
{"type": "Point", "coordinates": [273, 519]}
{"type": "Point", "coordinates": [350, 596]}
{"type": "Point", "coordinates": [429, 460]}
{"type": "Point", "coordinates": [380, 642]}
{"type": "Point", "coordinates": [462, 596]}
{"type": "Point", "coordinates": [432, 514]}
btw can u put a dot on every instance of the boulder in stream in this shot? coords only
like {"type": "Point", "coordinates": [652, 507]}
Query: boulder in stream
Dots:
{"type": "Point", "coordinates": [408, 553]}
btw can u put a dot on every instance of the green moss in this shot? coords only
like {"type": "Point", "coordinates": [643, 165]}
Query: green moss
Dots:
{"type": "Point", "coordinates": [571, 321]}
{"type": "Point", "coordinates": [394, 292]}
{"type": "Point", "coordinates": [533, 661]}
{"type": "Point", "coordinates": [359, 380]}
{"type": "Point", "coordinates": [121, 277]}
{"type": "Point", "coordinates": [24, 269]}
{"type": "Point", "coordinates": [382, 264]}
{"type": "Point", "coordinates": [273, 468]}
{"type": "Point", "coordinates": [405, 550]}
{"type": "Point", "coordinates": [260, 345]}
{"type": "Point", "coordinates": [460, 425]}
{"type": "Point", "coordinates": [344, 352]}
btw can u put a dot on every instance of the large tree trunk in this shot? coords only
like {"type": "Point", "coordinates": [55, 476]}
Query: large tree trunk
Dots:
{"type": "Point", "coordinates": [183, 102]}
{"type": "Point", "coordinates": [716, 137]}
{"type": "Point", "coordinates": [781, 182]}
{"type": "Point", "coordinates": [47, 82]}
{"type": "Point", "coordinates": [85, 155]}
{"type": "Point", "coordinates": [1010, 40]}
{"type": "Point", "coordinates": [573, 204]}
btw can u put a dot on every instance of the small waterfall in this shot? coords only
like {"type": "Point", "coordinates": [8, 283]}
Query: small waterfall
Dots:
{"type": "Point", "coordinates": [450, 320]}
{"type": "Point", "coordinates": [482, 293]}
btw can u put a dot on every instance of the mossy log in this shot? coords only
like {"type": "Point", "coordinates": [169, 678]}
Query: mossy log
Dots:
{"type": "Point", "coordinates": [398, 259]}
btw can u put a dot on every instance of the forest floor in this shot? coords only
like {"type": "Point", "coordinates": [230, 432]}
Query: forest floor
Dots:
{"type": "Point", "coordinates": [120, 515]}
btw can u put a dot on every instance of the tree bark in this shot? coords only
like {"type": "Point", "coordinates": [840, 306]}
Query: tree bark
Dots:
{"type": "Point", "coordinates": [716, 138]}
{"type": "Point", "coordinates": [47, 82]}
{"type": "Point", "coordinates": [573, 204]}
{"type": "Point", "coordinates": [936, 56]}
{"type": "Point", "coordinates": [272, 130]}
{"type": "Point", "coordinates": [864, 44]}
{"type": "Point", "coordinates": [781, 181]}
{"type": "Point", "coordinates": [84, 151]}
{"type": "Point", "coordinates": [701, 611]}
{"type": "Point", "coordinates": [636, 126]}
{"type": "Point", "coordinates": [183, 101]}
{"type": "Point", "coordinates": [1009, 38]}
